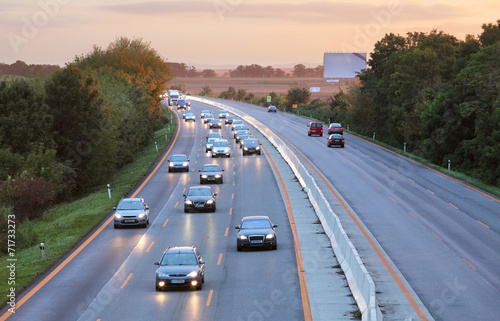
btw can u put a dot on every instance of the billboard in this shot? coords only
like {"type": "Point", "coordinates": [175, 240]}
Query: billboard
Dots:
{"type": "Point", "coordinates": [343, 65]}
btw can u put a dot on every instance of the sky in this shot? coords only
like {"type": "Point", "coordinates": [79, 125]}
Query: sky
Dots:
{"type": "Point", "coordinates": [222, 33]}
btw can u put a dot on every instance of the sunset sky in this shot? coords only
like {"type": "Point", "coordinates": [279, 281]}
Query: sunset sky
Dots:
{"type": "Point", "coordinates": [226, 32]}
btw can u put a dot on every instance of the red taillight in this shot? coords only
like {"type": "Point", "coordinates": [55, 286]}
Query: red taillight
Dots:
{"type": "Point", "coordinates": [341, 128]}
{"type": "Point", "coordinates": [342, 140]}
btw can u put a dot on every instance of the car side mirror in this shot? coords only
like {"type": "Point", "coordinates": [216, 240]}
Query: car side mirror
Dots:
{"type": "Point", "coordinates": [147, 208]}
{"type": "Point", "coordinates": [215, 194]}
{"type": "Point", "coordinates": [237, 227]}
{"type": "Point", "coordinates": [202, 262]}
{"type": "Point", "coordinates": [184, 195]}
{"type": "Point", "coordinates": [114, 208]}
{"type": "Point", "coordinates": [168, 160]}
{"type": "Point", "coordinates": [222, 170]}
{"type": "Point", "coordinates": [156, 263]}
{"type": "Point", "coordinates": [307, 125]}
{"type": "Point", "coordinates": [275, 226]}
{"type": "Point", "coordinates": [199, 170]}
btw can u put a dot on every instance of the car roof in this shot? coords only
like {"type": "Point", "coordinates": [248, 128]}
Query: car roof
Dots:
{"type": "Point", "coordinates": [178, 155]}
{"type": "Point", "coordinates": [180, 249]}
{"type": "Point", "coordinates": [336, 124]}
{"type": "Point", "coordinates": [212, 165]}
{"type": "Point", "coordinates": [336, 135]}
{"type": "Point", "coordinates": [131, 199]}
{"type": "Point", "coordinates": [257, 217]}
{"type": "Point", "coordinates": [200, 187]}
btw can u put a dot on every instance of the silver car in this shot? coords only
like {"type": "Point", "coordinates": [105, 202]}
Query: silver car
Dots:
{"type": "Point", "coordinates": [189, 116]}
{"type": "Point", "coordinates": [131, 212]}
{"type": "Point", "coordinates": [221, 148]}
{"type": "Point", "coordinates": [210, 144]}
{"type": "Point", "coordinates": [178, 162]}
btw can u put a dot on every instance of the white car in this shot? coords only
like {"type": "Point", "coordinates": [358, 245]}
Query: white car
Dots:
{"type": "Point", "coordinates": [189, 116]}
{"type": "Point", "coordinates": [221, 148]}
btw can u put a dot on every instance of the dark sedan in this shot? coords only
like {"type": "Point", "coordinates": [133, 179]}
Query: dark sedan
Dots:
{"type": "Point", "coordinates": [199, 198]}
{"type": "Point", "coordinates": [229, 119]}
{"type": "Point", "coordinates": [251, 146]}
{"type": "Point", "coordinates": [336, 139]}
{"type": "Point", "coordinates": [239, 133]}
{"type": "Point", "coordinates": [180, 266]}
{"type": "Point", "coordinates": [242, 139]}
{"type": "Point", "coordinates": [335, 128]}
{"type": "Point", "coordinates": [211, 173]}
{"type": "Point", "coordinates": [256, 232]}
{"type": "Point", "coordinates": [178, 162]}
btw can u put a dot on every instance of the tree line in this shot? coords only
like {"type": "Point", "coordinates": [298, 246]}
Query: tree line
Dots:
{"type": "Point", "coordinates": [65, 133]}
{"type": "Point", "coordinates": [20, 68]}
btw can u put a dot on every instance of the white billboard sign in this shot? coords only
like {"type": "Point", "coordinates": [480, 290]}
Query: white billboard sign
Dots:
{"type": "Point", "coordinates": [314, 89]}
{"type": "Point", "coordinates": [343, 65]}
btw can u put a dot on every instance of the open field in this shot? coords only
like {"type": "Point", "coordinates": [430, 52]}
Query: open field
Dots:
{"type": "Point", "coordinates": [261, 87]}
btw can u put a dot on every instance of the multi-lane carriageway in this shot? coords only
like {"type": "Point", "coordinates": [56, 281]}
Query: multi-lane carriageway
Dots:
{"type": "Point", "coordinates": [441, 234]}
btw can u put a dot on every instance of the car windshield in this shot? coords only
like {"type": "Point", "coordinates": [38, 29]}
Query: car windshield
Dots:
{"type": "Point", "coordinates": [209, 116]}
{"type": "Point", "coordinates": [179, 259]}
{"type": "Point", "coordinates": [221, 144]}
{"type": "Point", "coordinates": [243, 132]}
{"type": "Point", "coordinates": [214, 120]}
{"type": "Point", "coordinates": [251, 142]}
{"type": "Point", "coordinates": [180, 101]}
{"type": "Point", "coordinates": [255, 224]}
{"type": "Point", "coordinates": [231, 117]}
{"type": "Point", "coordinates": [199, 192]}
{"type": "Point", "coordinates": [211, 140]}
{"type": "Point", "coordinates": [130, 205]}
{"type": "Point", "coordinates": [210, 168]}
{"type": "Point", "coordinates": [237, 122]}
{"type": "Point", "coordinates": [178, 158]}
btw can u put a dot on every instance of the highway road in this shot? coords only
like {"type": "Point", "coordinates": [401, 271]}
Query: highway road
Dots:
{"type": "Point", "coordinates": [443, 235]}
{"type": "Point", "coordinates": [112, 277]}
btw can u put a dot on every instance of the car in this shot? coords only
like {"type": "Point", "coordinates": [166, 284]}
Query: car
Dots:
{"type": "Point", "coordinates": [242, 139]}
{"type": "Point", "coordinates": [210, 144]}
{"type": "Point", "coordinates": [221, 148]}
{"type": "Point", "coordinates": [211, 173]}
{"type": "Point", "coordinates": [189, 116]}
{"type": "Point", "coordinates": [215, 123]}
{"type": "Point", "coordinates": [188, 103]}
{"type": "Point", "coordinates": [256, 232]}
{"type": "Point", "coordinates": [239, 127]}
{"type": "Point", "coordinates": [208, 118]}
{"type": "Point", "coordinates": [203, 113]}
{"type": "Point", "coordinates": [223, 114]}
{"type": "Point", "coordinates": [131, 212]}
{"type": "Point", "coordinates": [272, 109]}
{"type": "Point", "coordinates": [178, 162]}
{"type": "Point", "coordinates": [236, 123]}
{"type": "Point", "coordinates": [335, 139]}
{"type": "Point", "coordinates": [213, 135]}
{"type": "Point", "coordinates": [188, 93]}
{"type": "Point", "coordinates": [239, 133]}
{"type": "Point", "coordinates": [181, 104]}
{"type": "Point", "coordinates": [315, 128]}
{"type": "Point", "coordinates": [199, 198]}
{"type": "Point", "coordinates": [251, 146]}
{"type": "Point", "coordinates": [229, 119]}
{"type": "Point", "coordinates": [180, 266]}
{"type": "Point", "coordinates": [335, 128]}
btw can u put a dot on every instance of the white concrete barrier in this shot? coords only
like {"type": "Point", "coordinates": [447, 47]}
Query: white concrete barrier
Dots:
{"type": "Point", "coordinates": [358, 278]}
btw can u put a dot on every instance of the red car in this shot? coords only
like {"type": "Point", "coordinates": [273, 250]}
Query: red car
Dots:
{"type": "Point", "coordinates": [315, 128]}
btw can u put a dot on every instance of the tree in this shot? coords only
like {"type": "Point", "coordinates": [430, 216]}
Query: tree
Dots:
{"type": "Point", "coordinates": [491, 34]}
{"type": "Point", "coordinates": [298, 94]}
{"type": "Point", "coordinates": [299, 70]}
{"type": "Point", "coordinates": [241, 94]}
{"type": "Point", "coordinates": [206, 91]}
{"type": "Point", "coordinates": [208, 73]}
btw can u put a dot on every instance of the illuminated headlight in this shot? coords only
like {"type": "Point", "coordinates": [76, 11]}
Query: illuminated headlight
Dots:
{"type": "Point", "coordinates": [243, 237]}
{"type": "Point", "coordinates": [188, 202]}
{"type": "Point", "coordinates": [118, 216]}
{"type": "Point", "coordinates": [162, 275]}
{"type": "Point", "coordinates": [257, 148]}
{"type": "Point", "coordinates": [217, 176]}
{"type": "Point", "coordinates": [245, 148]}
{"type": "Point", "coordinates": [185, 164]}
{"type": "Point", "coordinates": [193, 274]}
{"type": "Point", "coordinates": [210, 201]}
{"type": "Point", "coordinates": [141, 215]}
{"type": "Point", "coordinates": [161, 283]}
{"type": "Point", "coordinates": [204, 176]}
{"type": "Point", "coordinates": [269, 236]}
{"type": "Point", "coordinates": [171, 164]}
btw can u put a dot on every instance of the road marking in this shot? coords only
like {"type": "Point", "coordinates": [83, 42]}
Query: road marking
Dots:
{"type": "Point", "coordinates": [418, 310]}
{"type": "Point", "coordinates": [365, 177]}
{"type": "Point", "coordinates": [306, 306]}
{"type": "Point", "coordinates": [381, 162]}
{"type": "Point", "coordinates": [358, 150]}
{"type": "Point", "coordinates": [189, 178]}
{"type": "Point", "coordinates": [196, 162]}
{"type": "Point", "coordinates": [231, 211]}
{"type": "Point", "coordinates": [411, 180]}
{"type": "Point", "coordinates": [393, 200]}
{"type": "Point", "coordinates": [227, 230]}
{"type": "Point", "coordinates": [483, 224]}
{"type": "Point", "coordinates": [234, 173]}
{"type": "Point", "coordinates": [184, 190]}
{"type": "Point", "coordinates": [343, 161]}
{"type": "Point", "coordinates": [233, 183]}
{"type": "Point", "coordinates": [428, 190]}
{"type": "Point", "coordinates": [233, 164]}
{"type": "Point", "coordinates": [150, 245]}
{"type": "Point", "coordinates": [395, 170]}
{"type": "Point", "coordinates": [369, 156]}
{"type": "Point", "coordinates": [353, 167]}
{"type": "Point", "coordinates": [453, 206]}
{"type": "Point", "coordinates": [209, 297]}
{"type": "Point", "coordinates": [232, 196]}
{"type": "Point", "coordinates": [220, 259]}
{"type": "Point", "coordinates": [126, 281]}
{"type": "Point", "coordinates": [198, 155]}
{"type": "Point", "coordinates": [176, 204]}
{"type": "Point", "coordinates": [472, 266]}
{"type": "Point", "coordinates": [166, 221]}
{"type": "Point", "coordinates": [192, 170]}
{"type": "Point", "coordinates": [437, 236]}
{"type": "Point", "coordinates": [378, 187]}
{"type": "Point", "coordinates": [412, 215]}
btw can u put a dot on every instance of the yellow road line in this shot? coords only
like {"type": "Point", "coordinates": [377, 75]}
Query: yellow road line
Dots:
{"type": "Point", "coordinates": [412, 215]}
{"type": "Point", "coordinates": [150, 245]}
{"type": "Point", "coordinates": [437, 236]}
{"type": "Point", "coordinates": [126, 281]}
{"type": "Point", "coordinates": [227, 230]}
{"type": "Point", "coordinates": [220, 259]}
{"type": "Point", "coordinates": [231, 211]}
{"type": "Point", "coordinates": [472, 266]}
{"type": "Point", "coordinates": [483, 224]}
{"type": "Point", "coordinates": [209, 298]}
{"type": "Point", "coordinates": [176, 204]}
{"type": "Point", "coordinates": [166, 221]}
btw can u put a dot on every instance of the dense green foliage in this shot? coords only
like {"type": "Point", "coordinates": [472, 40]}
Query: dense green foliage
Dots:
{"type": "Point", "coordinates": [61, 136]}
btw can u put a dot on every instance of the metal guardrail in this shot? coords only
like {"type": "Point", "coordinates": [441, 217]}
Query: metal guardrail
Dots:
{"type": "Point", "coordinates": [358, 278]}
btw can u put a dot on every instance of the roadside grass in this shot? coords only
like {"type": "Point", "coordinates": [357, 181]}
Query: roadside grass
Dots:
{"type": "Point", "coordinates": [64, 225]}
{"type": "Point", "coordinates": [458, 175]}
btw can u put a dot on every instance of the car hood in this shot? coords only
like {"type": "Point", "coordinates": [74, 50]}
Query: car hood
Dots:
{"type": "Point", "coordinates": [199, 198]}
{"type": "Point", "coordinates": [181, 269]}
{"type": "Point", "coordinates": [130, 212]}
{"type": "Point", "coordinates": [211, 173]}
{"type": "Point", "coordinates": [260, 231]}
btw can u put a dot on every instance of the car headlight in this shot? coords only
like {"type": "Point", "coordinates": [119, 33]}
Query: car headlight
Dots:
{"type": "Point", "coordinates": [269, 236]}
{"type": "Point", "coordinates": [193, 274]}
{"type": "Point", "coordinates": [210, 201]}
{"type": "Point", "coordinates": [257, 148]}
{"type": "Point", "coordinates": [245, 148]}
{"type": "Point", "coordinates": [185, 164]}
{"type": "Point", "coordinates": [204, 176]}
{"type": "Point", "coordinates": [188, 202]}
{"type": "Point", "coordinates": [141, 215]}
{"type": "Point", "coordinates": [217, 176]}
{"type": "Point", "coordinates": [171, 164]}
{"type": "Point", "coordinates": [118, 216]}
{"type": "Point", "coordinates": [243, 237]}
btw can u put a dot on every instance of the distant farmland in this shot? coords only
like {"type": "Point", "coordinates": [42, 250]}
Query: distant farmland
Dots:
{"type": "Point", "coordinates": [261, 87]}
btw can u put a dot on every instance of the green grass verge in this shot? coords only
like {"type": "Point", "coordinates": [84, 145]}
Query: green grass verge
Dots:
{"type": "Point", "coordinates": [64, 225]}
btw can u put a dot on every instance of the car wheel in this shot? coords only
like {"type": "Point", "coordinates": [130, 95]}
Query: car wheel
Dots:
{"type": "Point", "coordinates": [203, 279]}
{"type": "Point", "coordinates": [213, 208]}
{"type": "Point", "coordinates": [221, 180]}
{"type": "Point", "coordinates": [158, 288]}
{"type": "Point", "coordinates": [117, 226]}
{"type": "Point", "coordinates": [321, 135]}
{"type": "Point", "coordinates": [239, 248]}
{"type": "Point", "coordinates": [186, 210]}
{"type": "Point", "coordinates": [201, 181]}
{"type": "Point", "coordinates": [308, 134]}
{"type": "Point", "coordinates": [260, 153]}
{"type": "Point", "coordinates": [199, 286]}
{"type": "Point", "coordinates": [244, 153]}
{"type": "Point", "coordinates": [169, 170]}
{"type": "Point", "coordinates": [275, 246]}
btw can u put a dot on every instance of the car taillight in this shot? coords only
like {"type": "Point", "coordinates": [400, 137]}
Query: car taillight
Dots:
{"type": "Point", "coordinates": [341, 128]}
{"type": "Point", "coordinates": [342, 140]}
